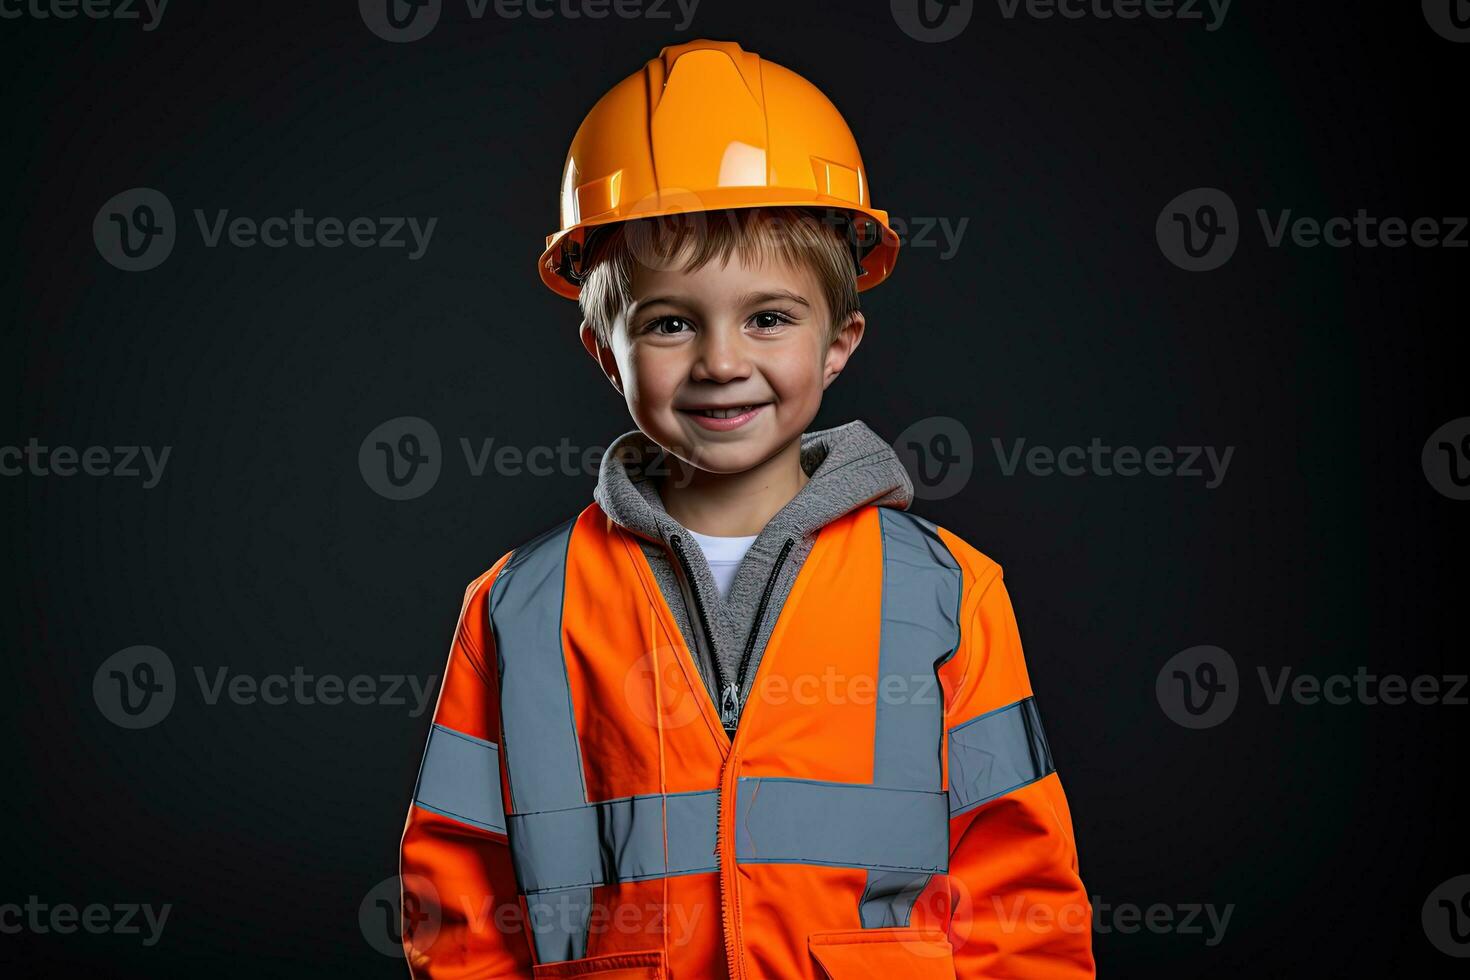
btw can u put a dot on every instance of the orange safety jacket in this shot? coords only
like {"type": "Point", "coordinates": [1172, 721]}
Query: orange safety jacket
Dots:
{"type": "Point", "coordinates": [888, 806]}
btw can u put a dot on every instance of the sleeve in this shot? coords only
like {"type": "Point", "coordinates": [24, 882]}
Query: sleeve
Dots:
{"type": "Point", "coordinates": [462, 912]}
{"type": "Point", "coordinates": [1020, 908]}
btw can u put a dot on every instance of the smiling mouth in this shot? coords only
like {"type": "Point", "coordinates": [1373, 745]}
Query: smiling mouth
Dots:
{"type": "Point", "coordinates": [723, 413]}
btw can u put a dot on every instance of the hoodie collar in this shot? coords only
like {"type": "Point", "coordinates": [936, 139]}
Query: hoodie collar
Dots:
{"type": "Point", "coordinates": [847, 467]}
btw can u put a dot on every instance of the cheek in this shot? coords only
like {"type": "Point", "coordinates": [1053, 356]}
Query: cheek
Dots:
{"type": "Point", "coordinates": [652, 376]}
{"type": "Point", "coordinates": [799, 374]}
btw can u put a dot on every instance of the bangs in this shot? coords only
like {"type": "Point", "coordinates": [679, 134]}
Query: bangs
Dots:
{"type": "Point", "coordinates": [814, 238]}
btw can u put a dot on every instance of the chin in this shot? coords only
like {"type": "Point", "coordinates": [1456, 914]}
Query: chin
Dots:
{"type": "Point", "coordinates": [714, 456]}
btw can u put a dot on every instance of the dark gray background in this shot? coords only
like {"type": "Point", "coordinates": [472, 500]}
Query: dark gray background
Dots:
{"type": "Point", "coordinates": [1059, 319]}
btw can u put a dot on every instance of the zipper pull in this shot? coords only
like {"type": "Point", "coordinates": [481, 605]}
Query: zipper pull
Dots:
{"type": "Point", "coordinates": [729, 706]}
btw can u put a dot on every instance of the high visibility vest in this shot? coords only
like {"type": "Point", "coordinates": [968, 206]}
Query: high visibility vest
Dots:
{"type": "Point", "coordinates": [888, 806]}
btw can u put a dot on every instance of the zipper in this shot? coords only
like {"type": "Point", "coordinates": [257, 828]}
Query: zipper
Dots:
{"type": "Point", "coordinates": [730, 701]}
{"type": "Point", "coordinates": [760, 615]}
{"type": "Point", "coordinates": [729, 717]}
{"type": "Point", "coordinates": [709, 640]}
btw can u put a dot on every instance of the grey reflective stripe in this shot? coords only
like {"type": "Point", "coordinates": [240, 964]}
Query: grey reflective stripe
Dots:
{"type": "Point", "coordinates": [615, 840]}
{"type": "Point", "coordinates": [850, 825]}
{"type": "Point", "coordinates": [563, 846]}
{"type": "Point", "coordinates": [543, 759]}
{"type": "Point", "coordinates": [922, 592]}
{"type": "Point", "coordinates": [542, 756]}
{"type": "Point", "coordinates": [922, 586]}
{"type": "Point", "coordinates": [460, 778]}
{"type": "Point", "coordinates": [995, 753]}
{"type": "Point", "coordinates": [889, 897]}
{"type": "Point", "coordinates": [558, 923]}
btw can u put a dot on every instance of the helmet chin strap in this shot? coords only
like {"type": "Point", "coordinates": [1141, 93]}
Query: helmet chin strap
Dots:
{"type": "Point", "coordinates": [568, 259]}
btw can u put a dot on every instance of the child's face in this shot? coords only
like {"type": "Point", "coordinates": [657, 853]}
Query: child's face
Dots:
{"type": "Point", "coordinates": [725, 336]}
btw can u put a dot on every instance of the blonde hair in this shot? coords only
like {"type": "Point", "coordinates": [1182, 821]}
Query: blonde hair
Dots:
{"type": "Point", "coordinates": [813, 237]}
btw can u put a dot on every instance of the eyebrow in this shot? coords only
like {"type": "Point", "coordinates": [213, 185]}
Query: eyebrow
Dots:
{"type": "Point", "coordinates": [766, 297]}
{"type": "Point", "coordinates": [746, 300]}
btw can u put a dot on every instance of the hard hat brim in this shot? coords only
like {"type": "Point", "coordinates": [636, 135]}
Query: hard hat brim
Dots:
{"type": "Point", "coordinates": [877, 264]}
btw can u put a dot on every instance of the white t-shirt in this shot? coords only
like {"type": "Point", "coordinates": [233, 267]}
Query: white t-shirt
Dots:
{"type": "Point", "coordinates": [723, 556]}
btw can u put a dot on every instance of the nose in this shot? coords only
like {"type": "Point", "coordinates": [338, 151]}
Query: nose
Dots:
{"type": "Point", "coordinates": [721, 355]}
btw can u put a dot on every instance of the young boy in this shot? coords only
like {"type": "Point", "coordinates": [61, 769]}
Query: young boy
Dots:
{"type": "Point", "coordinates": [744, 716]}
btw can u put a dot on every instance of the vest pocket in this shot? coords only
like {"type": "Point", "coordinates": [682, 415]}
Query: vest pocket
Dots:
{"type": "Point", "coordinates": [883, 954]}
{"type": "Point", "coordinates": [642, 965]}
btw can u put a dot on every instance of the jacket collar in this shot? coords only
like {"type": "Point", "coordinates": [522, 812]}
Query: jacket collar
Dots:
{"type": "Point", "coordinates": [848, 466]}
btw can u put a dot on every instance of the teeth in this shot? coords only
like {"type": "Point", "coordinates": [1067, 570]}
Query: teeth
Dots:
{"type": "Point", "coordinates": [724, 413]}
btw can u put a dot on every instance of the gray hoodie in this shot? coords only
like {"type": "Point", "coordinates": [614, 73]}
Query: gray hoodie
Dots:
{"type": "Point", "coordinates": [848, 466]}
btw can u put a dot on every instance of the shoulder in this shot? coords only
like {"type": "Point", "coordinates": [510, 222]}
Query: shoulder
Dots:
{"type": "Point", "coordinates": [545, 549]}
{"type": "Point", "coordinates": [978, 569]}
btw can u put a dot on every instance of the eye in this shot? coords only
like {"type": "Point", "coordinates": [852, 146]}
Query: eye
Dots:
{"type": "Point", "coordinates": [769, 320]}
{"type": "Point", "coordinates": [658, 324]}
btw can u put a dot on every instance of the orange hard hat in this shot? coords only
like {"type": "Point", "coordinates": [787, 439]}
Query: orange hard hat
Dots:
{"type": "Point", "coordinates": [704, 126]}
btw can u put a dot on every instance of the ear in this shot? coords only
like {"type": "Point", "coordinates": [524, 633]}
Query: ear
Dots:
{"type": "Point", "coordinates": [848, 337]}
{"type": "Point", "coordinates": [602, 355]}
